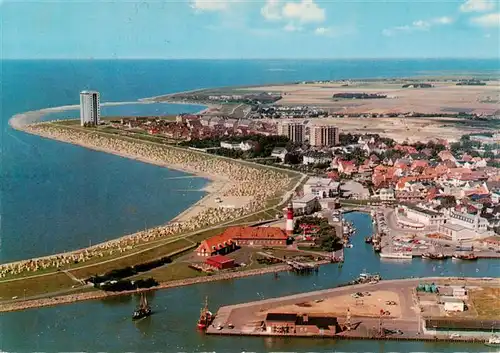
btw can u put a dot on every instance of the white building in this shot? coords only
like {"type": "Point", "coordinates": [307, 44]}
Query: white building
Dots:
{"type": "Point", "coordinates": [452, 304]}
{"type": "Point", "coordinates": [307, 204]}
{"type": "Point", "coordinates": [464, 226]}
{"type": "Point", "coordinates": [279, 152]}
{"type": "Point", "coordinates": [386, 194]}
{"type": "Point", "coordinates": [90, 110]}
{"type": "Point", "coordinates": [474, 222]}
{"type": "Point", "coordinates": [321, 187]}
{"type": "Point", "coordinates": [243, 146]}
{"type": "Point", "coordinates": [314, 157]}
{"type": "Point", "coordinates": [423, 216]}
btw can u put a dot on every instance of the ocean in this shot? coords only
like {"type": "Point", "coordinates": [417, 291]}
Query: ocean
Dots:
{"type": "Point", "coordinates": [57, 197]}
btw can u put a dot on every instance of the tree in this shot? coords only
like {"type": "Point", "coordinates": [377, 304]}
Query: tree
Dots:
{"type": "Point", "coordinates": [448, 201]}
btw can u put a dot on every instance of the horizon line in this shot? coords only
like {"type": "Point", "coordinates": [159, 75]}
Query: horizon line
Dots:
{"type": "Point", "coordinates": [250, 58]}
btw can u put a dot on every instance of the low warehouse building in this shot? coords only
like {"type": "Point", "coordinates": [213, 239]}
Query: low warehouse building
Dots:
{"type": "Point", "coordinates": [466, 327]}
{"type": "Point", "coordinates": [452, 304]}
{"type": "Point", "coordinates": [220, 262]}
{"type": "Point", "coordinates": [234, 237]}
{"type": "Point", "coordinates": [301, 324]}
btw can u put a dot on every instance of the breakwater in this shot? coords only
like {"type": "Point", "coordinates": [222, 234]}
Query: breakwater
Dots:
{"type": "Point", "coordinates": [95, 295]}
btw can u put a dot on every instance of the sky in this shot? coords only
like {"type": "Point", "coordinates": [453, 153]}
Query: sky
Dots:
{"type": "Point", "coordinates": [220, 29]}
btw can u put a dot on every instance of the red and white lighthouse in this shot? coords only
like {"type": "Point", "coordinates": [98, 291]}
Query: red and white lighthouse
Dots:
{"type": "Point", "coordinates": [289, 219]}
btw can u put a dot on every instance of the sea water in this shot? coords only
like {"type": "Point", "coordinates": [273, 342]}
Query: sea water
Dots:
{"type": "Point", "coordinates": [56, 196]}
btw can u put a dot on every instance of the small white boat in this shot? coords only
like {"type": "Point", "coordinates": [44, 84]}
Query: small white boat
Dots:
{"type": "Point", "coordinates": [493, 341]}
{"type": "Point", "coordinates": [396, 255]}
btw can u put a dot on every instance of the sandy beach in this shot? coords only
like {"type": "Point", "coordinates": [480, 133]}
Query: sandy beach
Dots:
{"type": "Point", "coordinates": [236, 188]}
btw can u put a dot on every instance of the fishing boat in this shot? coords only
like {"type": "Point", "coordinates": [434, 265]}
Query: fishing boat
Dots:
{"type": "Point", "coordinates": [493, 341]}
{"type": "Point", "coordinates": [396, 255]}
{"type": "Point", "coordinates": [206, 317]}
{"type": "Point", "coordinates": [143, 310]}
{"type": "Point", "coordinates": [470, 256]}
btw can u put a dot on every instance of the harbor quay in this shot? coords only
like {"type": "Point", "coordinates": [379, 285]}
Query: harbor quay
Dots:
{"type": "Point", "coordinates": [403, 309]}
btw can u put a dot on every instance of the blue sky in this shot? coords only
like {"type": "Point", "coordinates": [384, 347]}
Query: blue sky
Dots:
{"type": "Point", "coordinates": [249, 29]}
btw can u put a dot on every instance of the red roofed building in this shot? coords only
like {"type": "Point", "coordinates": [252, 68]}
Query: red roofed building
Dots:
{"type": "Point", "coordinates": [419, 163]}
{"type": "Point", "coordinates": [233, 237]}
{"type": "Point", "coordinates": [406, 149]}
{"type": "Point", "coordinates": [220, 262]}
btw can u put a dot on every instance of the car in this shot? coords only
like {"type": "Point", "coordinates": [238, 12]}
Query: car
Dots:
{"type": "Point", "coordinates": [454, 335]}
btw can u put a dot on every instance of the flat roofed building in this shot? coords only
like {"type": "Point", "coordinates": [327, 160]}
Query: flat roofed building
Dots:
{"type": "Point", "coordinates": [456, 232]}
{"type": "Point", "coordinates": [301, 324]}
{"type": "Point", "coordinates": [464, 326]}
{"type": "Point", "coordinates": [90, 110]}
{"type": "Point", "coordinates": [423, 215]}
{"type": "Point", "coordinates": [307, 204]}
{"type": "Point", "coordinates": [321, 187]}
{"type": "Point", "coordinates": [324, 136]}
{"type": "Point", "coordinates": [220, 262]}
{"type": "Point", "coordinates": [453, 304]}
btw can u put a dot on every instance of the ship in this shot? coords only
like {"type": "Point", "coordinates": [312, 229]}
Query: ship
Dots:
{"type": "Point", "coordinates": [493, 341]}
{"type": "Point", "coordinates": [431, 256]}
{"type": "Point", "coordinates": [143, 310]}
{"type": "Point", "coordinates": [206, 317]}
{"type": "Point", "coordinates": [377, 248]}
{"type": "Point", "coordinates": [397, 255]}
{"type": "Point", "coordinates": [369, 240]}
{"type": "Point", "coordinates": [470, 256]}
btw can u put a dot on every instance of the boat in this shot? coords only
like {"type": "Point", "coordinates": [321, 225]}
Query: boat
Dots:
{"type": "Point", "coordinates": [470, 256]}
{"type": "Point", "coordinates": [431, 256]}
{"type": "Point", "coordinates": [396, 255]}
{"type": "Point", "coordinates": [369, 240]}
{"type": "Point", "coordinates": [143, 310]}
{"type": "Point", "coordinates": [493, 341]}
{"type": "Point", "coordinates": [377, 248]}
{"type": "Point", "coordinates": [206, 317]}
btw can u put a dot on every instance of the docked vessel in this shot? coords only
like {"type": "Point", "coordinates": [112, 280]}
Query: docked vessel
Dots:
{"type": "Point", "coordinates": [365, 277]}
{"type": "Point", "coordinates": [493, 341]}
{"type": "Point", "coordinates": [369, 240]}
{"type": "Point", "coordinates": [470, 256]}
{"type": "Point", "coordinates": [143, 310]}
{"type": "Point", "coordinates": [396, 255]}
{"type": "Point", "coordinates": [431, 256]}
{"type": "Point", "coordinates": [377, 248]}
{"type": "Point", "coordinates": [206, 317]}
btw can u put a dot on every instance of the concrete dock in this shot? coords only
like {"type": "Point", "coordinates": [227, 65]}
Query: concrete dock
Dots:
{"type": "Point", "coordinates": [247, 318]}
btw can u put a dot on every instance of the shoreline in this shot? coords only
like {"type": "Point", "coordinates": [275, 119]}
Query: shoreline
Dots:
{"type": "Point", "coordinates": [227, 177]}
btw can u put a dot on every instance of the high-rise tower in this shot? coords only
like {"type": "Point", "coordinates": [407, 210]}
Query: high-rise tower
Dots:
{"type": "Point", "coordinates": [90, 110]}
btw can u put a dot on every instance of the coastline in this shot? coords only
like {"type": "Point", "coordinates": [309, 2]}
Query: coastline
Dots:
{"type": "Point", "coordinates": [227, 177]}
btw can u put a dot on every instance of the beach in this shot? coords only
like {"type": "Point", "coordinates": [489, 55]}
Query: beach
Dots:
{"type": "Point", "coordinates": [236, 189]}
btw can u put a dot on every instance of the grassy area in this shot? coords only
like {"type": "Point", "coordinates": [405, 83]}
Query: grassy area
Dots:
{"type": "Point", "coordinates": [486, 302]}
{"type": "Point", "coordinates": [171, 272]}
{"type": "Point", "coordinates": [145, 256]}
{"type": "Point", "coordinates": [54, 280]}
{"type": "Point", "coordinates": [34, 286]}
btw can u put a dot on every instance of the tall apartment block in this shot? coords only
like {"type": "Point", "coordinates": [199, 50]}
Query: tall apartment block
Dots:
{"type": "Point", "coordinates": [323, 136]}
{"type": "Point", "coordinates": [90, 110]}
{"type": "Point", "coordinates": [295, 131]}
